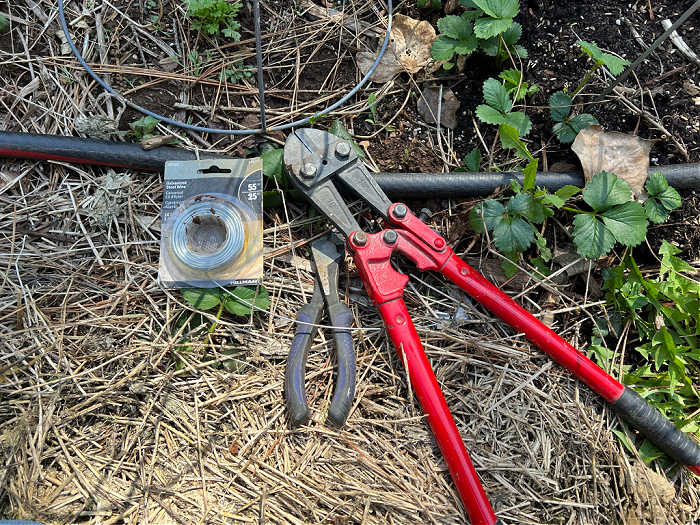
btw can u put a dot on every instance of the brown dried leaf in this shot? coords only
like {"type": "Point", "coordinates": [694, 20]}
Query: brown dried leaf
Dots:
{"type": "Point", "coordinates": [157, 141]}
{"type": "Point", "coordinates": [428, 106]}
{"type": "Point", "coordinates": [627, 156]}
{"type": "Point", "coordinates": [408, 50]}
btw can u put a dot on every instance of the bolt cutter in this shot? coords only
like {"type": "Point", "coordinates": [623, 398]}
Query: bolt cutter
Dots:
{"type": "Point", "coordinates": [316, 162]}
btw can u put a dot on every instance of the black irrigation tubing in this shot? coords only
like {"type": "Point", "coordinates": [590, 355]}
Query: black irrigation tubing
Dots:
{"type": "Point", "coordinates": [649, 50]}
{"type": "Point", "coordinates": [405, 185]}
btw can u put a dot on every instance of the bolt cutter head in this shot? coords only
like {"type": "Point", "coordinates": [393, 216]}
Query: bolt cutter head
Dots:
{"type": "Point", "coordinates": [316, 160]}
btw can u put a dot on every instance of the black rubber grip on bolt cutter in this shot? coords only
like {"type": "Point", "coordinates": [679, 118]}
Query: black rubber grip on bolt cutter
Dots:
{"type": "Point", "coordinates": [659, 430]}
{"type": "Point", "coordinates": [294, 392]}
{"type": "Point", "coordinates": [341, 319]}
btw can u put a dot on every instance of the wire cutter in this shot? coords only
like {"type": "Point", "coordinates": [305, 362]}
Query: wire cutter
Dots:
{"type": "Point", "coordinates": [316, 161]}
{"type": "Point", "coordinates": [326, 260]}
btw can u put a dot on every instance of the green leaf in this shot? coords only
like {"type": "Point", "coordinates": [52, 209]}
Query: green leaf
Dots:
{"type": "Point", "coordinates": [522, 53]}
{"type": "Point", "coordinates": [582, 121]}
{"type": "Point", "coordinates": [519, 121]}
{"type": "Point", "coordinates": [566, 192]}
{"type": "Point", "coordinates": [443, 48]}
{"type": "Point", "coordinates": [473, 160]}
{"type": "Point", "coordinates": [624, 440]}
{"type": "Point", "coordinates": [4, 23]}
{"type": "Point", "coordinates": [496, 95]}
{"type": "Point", "coordinates": [591, 237]}
{"type": "Point", "coordinates": [525, 205]}
{"type": "Point", "coordinates": [455, 27]}
{"type": "Point", "coordinates": [499, 8]}
{"type": "Point", "coordinates": [510, 140]}
{"type": "Point", "coordinates": [530, 175]}
{"type": "Point", "coordinates": [144, 126]}
{"type": "Point", "coordinates": [272, 164]}
{"type": "Point", "coordinates": [662, 198]}
{"type": "Point", "coordinates": [513, 235]}
{"type": "Point", "coordinates": [490, 46]}
{"type": "Point", "coordinates": [627, 222]}
{"type": "Point", "coordinates": [648, 452]}
{"type": "Point", "coordinates": [490, 27]}
{"type": "Point", "coordinates": [489, 115]}
{"type": "Point", "coordinates": [509, 264]}
{"type": "Point", "coordinates": [239, 301]}
{"type": "Point", "coordinates": [488, 213]}
{"type": "Point", "coordinates": [542, 248]}
{"type": "Point", "coordinates": [339, 130]}
{"type": "Point", "coordinates": [201, 298]}
{"type": "Point", "coordinates": [559, 106]}
{"type": "Point", "coordinates": [566, 131]}
{"type": "Point", "coordinates": [591, 49]}
{"type": "Point", "coordinates": [606, 190]}
{"type": "Point", "coordinates": [512, 34]}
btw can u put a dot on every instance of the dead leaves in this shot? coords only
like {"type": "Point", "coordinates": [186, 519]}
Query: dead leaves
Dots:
{"type": "Point", "coordinates": [408, 50]}
{"type": "Point", "coordinates": [429, 105]}
{"type": "Point", "coordinates": [627, 156]}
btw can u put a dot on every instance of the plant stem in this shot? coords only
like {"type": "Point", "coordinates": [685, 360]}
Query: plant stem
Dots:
{"type": "Point", "coordinates": [576, 210]}
{"type": "Point", "coordinates": [218, 316]}
{"type": "Point", "coordinates": [586, 79]}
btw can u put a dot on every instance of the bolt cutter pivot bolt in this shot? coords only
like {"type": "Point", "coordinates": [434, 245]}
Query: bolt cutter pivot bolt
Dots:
{"type": "Point", "coordinates": [309, 170]}
{"type": "Point", "coordinates": [390, 236]}
{"type": "Point", "coordinates": [360, 238]}
{"type": "Point", "coordinates": [342, 149]}
{"type": "Point", "coordinates": [400, 211]}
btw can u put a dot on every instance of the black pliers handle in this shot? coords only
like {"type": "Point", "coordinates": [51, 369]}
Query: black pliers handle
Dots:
{"type": "Point", "coordinates": [327, 260]}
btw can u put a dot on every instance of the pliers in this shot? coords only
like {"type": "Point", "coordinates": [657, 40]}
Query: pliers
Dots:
{"type": "Point", "coordinates": [326, 260]}
{"type": "Point", "coordinates": [315, 161]}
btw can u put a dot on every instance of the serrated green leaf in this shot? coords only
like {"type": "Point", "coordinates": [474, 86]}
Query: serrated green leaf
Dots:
{"type": "Point", "coordinates": [530, 174]}
{"type": "Point", "coordinates": [525, 205]}
{"type": "Point", "coordinates": [552, 200]}
{"type": "Point", "coordinates": [519, 121]}
{"type": "Point", "coordinates": [443, 48]}
{"type": "Point", "coordinates": [510, 140]}
{"type": "Point", "coordinates": [338, 129]}
{"type": "Point", "coordinates": [512, 34]}
{"type": "Point", "coordinates": [489, 115]}
{"type": "Point", "coordinates": [473, 160]}
{"type": "Point", "coordinates": [499, 8]}
{"type": "Point", "coordinates": [520, 51]}
{"type": "Point", "coordinates": [513, 234]}
{"type": "Point", "coordinates": [241, 299]}
{"type": "Point", "coordinates": [615, 65]}
{"type": "Point", "coordinates": [509, 264]}
{"type": "Point", "coordinates": [490, 46]}
{"type": "Point", "coordinates": [490, 27]}
{"type": "Point", "coordinates": [455, 27]}
{"type": "Point", "coordinates": [564, 133]}
{"type": "Point", "coordinates": [566, 192]}
{"type": "Point", "coordinates": [201, 298]}
{"type": "Point", "coordinates": [488, 213]}
{"type": "Point", "coordinates": [465, 47]}
{"type": "Point", "coordinates": [591, 237]}
{"type": "Point", "coordinates": [448, 65]}
{"type": "Point", "coordinates": [582, 121]}
{"type": "Point", "coordinates": [273, 165]}
{"type": "Point", "coordinates": [496, 95]}
{"type": "Point", "coordinates": [656, 184]}
{"type": "Point", "coordinates": [648, 452]}
{"type": "Point", "coordinates": [591, 50]}
{"type": "Point", "coordinates": [606, 190]}
{"type": "Point", "coordinates": [627, 222]}
{"type": "Point", "coordinates": [511, 77]}
{"type": "Point", "coordinates": [559, 106]}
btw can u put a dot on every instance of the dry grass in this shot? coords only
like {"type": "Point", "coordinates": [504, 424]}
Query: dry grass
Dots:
{"type": "Point", "coordinates": [105, 420]}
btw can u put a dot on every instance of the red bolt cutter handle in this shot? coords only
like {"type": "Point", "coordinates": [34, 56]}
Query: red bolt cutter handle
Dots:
{"type": "Point", "coordinates": [402, 332]}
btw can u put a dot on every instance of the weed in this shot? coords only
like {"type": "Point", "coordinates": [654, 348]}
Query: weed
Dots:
{"type": "Point", "coordinates": [143, 128]}
{"type": "Point", "coordinates": [665, 312]}
{"type": "Point", "coordinates": [215, 16]}
{"type": "Point", "coordinates": [237, 72]}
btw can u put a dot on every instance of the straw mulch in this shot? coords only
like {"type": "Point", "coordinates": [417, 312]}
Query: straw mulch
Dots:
{"type": "Point", "coordinates": [106, 417]}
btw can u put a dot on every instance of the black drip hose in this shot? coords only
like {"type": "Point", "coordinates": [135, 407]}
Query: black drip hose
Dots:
{"type": "Point", "coordinates": [404, 185]}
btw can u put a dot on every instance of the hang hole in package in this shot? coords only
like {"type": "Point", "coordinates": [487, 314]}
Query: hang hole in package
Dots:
{"type": "Point", "coordinates": [212, 223]}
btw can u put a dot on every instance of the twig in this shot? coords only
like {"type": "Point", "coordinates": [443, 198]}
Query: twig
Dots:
{"type": "Point", "coordinates": [680, 43]}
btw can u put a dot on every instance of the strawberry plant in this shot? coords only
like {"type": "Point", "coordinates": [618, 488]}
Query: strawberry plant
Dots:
{"type": "Point", "coordinates": [567, 127]}
{"type": "Point", "coordinates": [498, 111]}
{"type": "Point", "coordinates": [614, 217]}
{"type": "Point", "coordinates": [215, 16]}
{"type": "Point", "coordinates": [516, 86]}
{"type": "Point", "coordinates": [488, 26]}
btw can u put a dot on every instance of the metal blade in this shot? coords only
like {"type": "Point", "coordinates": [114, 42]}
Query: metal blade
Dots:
{"type": "Point", "coordinates": [327, 260]}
